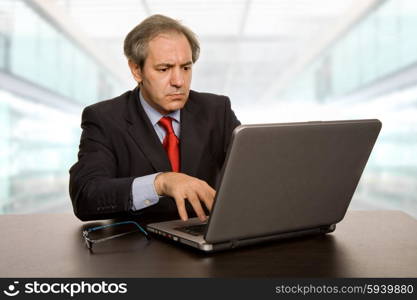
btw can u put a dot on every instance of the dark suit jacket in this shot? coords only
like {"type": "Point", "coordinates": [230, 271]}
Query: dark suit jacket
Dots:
{"type": "Point", "coordinates": [118, 144]}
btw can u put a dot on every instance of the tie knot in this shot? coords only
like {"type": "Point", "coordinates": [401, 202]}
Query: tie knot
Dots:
{"type": "Point", "coordinates": [166, 122]}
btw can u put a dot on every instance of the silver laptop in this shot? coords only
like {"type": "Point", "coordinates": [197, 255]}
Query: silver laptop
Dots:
{"type": "Point", "coordinates": [280, 181]}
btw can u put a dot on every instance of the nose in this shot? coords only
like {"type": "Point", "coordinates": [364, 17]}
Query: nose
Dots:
{"type": "Point", "coordinates": [177, 78]}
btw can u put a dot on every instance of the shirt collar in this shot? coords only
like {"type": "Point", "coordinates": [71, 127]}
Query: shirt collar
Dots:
{"type": "Point", "coordinates": [153, 115]}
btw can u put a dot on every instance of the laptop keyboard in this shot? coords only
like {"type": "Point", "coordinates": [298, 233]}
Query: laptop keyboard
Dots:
{"type": "Point", "coordinates": [193, 229]}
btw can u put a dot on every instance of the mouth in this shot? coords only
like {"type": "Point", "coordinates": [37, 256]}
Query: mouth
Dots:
{"type": "Point", "coordinates": [176, 95]}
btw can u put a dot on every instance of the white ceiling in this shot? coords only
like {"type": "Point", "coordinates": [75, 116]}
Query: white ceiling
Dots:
{"type": "Point", "coordinates": [246, 45]}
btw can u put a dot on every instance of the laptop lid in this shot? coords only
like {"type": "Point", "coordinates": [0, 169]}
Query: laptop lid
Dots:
{"type": "Point", "coordinates": [287, 177]}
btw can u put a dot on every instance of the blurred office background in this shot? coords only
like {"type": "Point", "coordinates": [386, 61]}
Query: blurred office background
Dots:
{"type": "Point", "coordinates": [278, 60]}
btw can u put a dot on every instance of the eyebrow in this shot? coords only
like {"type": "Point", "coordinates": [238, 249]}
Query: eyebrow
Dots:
{"type": "Point", "coordinates": [171, 65]}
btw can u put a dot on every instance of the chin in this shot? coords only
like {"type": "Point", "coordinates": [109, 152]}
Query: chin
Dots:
{"type": "Point", "coordinates": [179, 104]}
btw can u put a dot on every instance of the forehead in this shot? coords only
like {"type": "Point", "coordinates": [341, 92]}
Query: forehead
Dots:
{"type": "Point", "coordinates": [169, 47]}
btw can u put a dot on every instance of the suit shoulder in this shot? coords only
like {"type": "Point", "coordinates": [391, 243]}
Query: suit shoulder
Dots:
{"type": "Point", "coordinates": [110, 106]}
{"type": "Point", "coordinates": [209, 99]}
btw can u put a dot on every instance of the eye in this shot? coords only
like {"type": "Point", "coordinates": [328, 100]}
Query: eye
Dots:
{"type": "Point", "coordinates": [163, 70]}
{"type": "Point", "coordinates": [186, 68]}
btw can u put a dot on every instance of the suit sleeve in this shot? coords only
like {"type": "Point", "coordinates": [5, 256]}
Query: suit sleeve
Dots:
{"type": "Point", "coordinates": [95, 191]}
{"type": "Point", "coordinates": [230, 123]}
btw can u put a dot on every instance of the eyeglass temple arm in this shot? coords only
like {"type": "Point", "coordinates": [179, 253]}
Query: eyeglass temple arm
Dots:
{"type": "Point", "coordinates": [108, 238]}
{"type": "Point", "coordinates": [119, 223]}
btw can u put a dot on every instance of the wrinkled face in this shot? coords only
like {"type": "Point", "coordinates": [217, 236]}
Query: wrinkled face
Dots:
{"type": "Point", "coordinates": [166, 75]}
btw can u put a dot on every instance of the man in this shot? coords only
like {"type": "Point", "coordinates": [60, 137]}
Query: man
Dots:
{"type": "Point", "coordinates": [155, 151]}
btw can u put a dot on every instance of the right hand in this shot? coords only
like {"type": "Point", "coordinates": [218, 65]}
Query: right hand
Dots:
{"type": "Point", "coordinates": [180, 187]}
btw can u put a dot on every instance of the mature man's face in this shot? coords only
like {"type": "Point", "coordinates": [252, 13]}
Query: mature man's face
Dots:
{"type": "Point", "coordinates": [166, 74]}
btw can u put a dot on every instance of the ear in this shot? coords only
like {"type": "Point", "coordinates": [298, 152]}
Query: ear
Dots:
{"type": "Point", "coordinates": [135, 70]}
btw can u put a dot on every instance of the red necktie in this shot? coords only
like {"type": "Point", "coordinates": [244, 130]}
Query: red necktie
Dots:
{"type": "Point", "coordinates": [171, 143]}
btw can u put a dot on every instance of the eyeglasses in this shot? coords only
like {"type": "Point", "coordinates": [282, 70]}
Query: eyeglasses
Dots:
{"type": "Point", "coordinates": [89, 241]}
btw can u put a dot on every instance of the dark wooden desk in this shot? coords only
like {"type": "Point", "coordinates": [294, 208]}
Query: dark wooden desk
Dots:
{"type": "Point", "coordinates": [365, 244]}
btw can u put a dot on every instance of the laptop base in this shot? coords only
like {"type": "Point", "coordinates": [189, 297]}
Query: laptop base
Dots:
{"type": "Point", "coordinates": [199, 242]}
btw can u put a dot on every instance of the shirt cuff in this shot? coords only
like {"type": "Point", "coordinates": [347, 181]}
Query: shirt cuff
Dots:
{"type": "Point", "coordinates": [143, 192]}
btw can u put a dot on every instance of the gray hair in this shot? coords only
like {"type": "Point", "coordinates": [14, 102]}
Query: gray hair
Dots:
{"type": "Point", "coordinates": [136, 42]}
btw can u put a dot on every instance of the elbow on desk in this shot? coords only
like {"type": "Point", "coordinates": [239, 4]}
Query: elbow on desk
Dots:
{"type": "Point", "coordinates": [79, 208]}
{"type": "Point", "coordinates": [82, 216]}
{"type": "Point", "coordinates": [85, 206]}
{"type": "Point", "coordinates": [100, 200]}
{"type": "Point", "coordinates": [94, 214]}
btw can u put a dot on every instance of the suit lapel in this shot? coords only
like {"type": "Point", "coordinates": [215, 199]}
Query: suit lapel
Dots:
{"type": "Point", "coordinates": [192, 134]}
{"type": "Point", "coordinates": [144, 135]}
